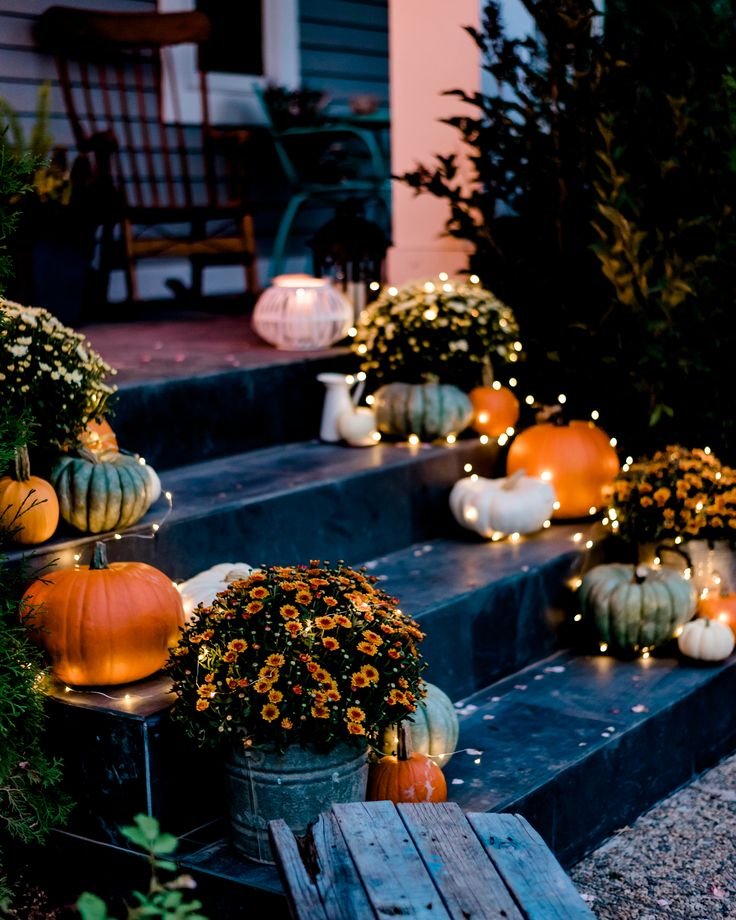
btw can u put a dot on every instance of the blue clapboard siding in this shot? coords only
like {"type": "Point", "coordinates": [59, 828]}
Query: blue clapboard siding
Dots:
{"type": "Point", "coordinates": [344, 47]}
{"type": "Point", "coordinates": [343, 51]}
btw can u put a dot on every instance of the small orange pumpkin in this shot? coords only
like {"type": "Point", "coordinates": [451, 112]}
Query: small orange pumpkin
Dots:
{"type": "Point", "coordinates": [28, 502]}
{"type": "Point", "coordinates": [495, 408]}
{"type": "Point", "coordinates": [719, 606]}
{"type": "Point", "coordinates": [106, 623]}
{"type": "Point", "coordinates": [407, 777]}
{"type": "Point", "coordinates": [577, 459]}
{"type": "Point", "coordinates": [99, 437]}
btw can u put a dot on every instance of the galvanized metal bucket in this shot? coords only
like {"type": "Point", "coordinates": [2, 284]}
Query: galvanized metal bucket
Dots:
{"type": "Point", "coordinates": [296, 786]}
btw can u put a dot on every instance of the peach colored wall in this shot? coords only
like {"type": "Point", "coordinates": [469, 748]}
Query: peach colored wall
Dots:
{"type": "Point", "coordinates": [429, 52]}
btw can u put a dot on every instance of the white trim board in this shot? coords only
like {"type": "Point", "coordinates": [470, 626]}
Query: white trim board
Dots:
{"type": "Point", "coordinates": [232, 99]}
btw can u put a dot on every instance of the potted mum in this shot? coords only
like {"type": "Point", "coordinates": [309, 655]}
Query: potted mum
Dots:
{"type": "Point", "coordinates": [684, 499]}
{"type": "Point", "coordinates": [52, 371]}
{"type": "Point", "coordinates": [453, 330]}
{"type": "Point", "coordinates": [294, 671]}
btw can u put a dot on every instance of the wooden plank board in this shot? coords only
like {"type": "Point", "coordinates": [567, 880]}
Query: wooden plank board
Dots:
{"type": "Point", "coordinates": [395, 878]}
{"type": "Point", "coordinates": [529, 868]}
{"type": "Point", "coordinates": [339, 885]}
{"type": "Point", "coordinates": [301, 892]}
{"type": "Point", "coordinates": [470, 885]}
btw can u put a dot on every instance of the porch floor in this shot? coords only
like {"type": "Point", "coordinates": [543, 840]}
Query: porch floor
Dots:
{"type": "Point", "coordinates": [185, 344]}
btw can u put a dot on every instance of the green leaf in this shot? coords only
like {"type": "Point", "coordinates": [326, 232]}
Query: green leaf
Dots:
{"type": "Point", "coordinates": [164, 843]}
{"type": "Point", "coordinates": [91, 907]}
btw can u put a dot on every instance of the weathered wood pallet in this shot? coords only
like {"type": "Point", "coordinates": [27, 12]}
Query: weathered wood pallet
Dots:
{"type": "Point", "coordinates": [369, 860]}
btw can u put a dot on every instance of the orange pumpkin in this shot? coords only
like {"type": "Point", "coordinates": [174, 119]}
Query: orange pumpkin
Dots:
{"type": "Point", "coordinates": [495, 409]}
{"type": "Point", "coordinates": [99, 437]}
{"type": "Point", "coordinates": [28, 502]}
{"type": "Point", "coordinates": [577, 459]}
{"type": "Point", "coordinates": [106, 623]}
{"type": "Point", "coordinates": [407, 777]}
{"type": "Point", "coordinates": [719, 606]}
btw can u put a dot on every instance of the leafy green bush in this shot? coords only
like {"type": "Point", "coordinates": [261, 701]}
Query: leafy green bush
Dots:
{"type": "Point", "coordinates": [163, 899]}
{"type": "Point", "coordinates": [31, 800]}
{"type": "Point", "coordinates": [602, 208]}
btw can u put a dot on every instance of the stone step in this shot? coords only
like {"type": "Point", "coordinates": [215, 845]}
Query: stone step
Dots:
{"type": "Point", "coordinates": [583, 745]}
{"type": "Point", "coordinates": [578, 745]}
{"type": "Point", "coordinates": [487, 609]}
{"type": "Point", "coordinates": [289, 504]}
{"type": "Point", "coordinates": [175, 421]}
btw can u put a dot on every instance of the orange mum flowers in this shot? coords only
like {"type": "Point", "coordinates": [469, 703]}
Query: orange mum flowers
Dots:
{"type": "Point", "coordinates": [279, 673]}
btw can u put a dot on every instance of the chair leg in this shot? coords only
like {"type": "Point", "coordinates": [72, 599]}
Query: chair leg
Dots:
{"type": "Point", "coordinates": [197, 267]}
{"type": "Point", "coordinates": [282, 235]}
{"type": "Point", "coordinates": [249, 240]}
{"type": "Point", "coordinates": [131, 275]}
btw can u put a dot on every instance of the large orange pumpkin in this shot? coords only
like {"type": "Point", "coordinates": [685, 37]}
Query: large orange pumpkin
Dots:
{"type": "Point", "coordinates": [577, 459]}
{"type": "Point", "coordinates": [495, 409]}
{"type": "Point", "coordinates": [99, 437]}
{"type": "Point", "coordinates": [719, 606]}
{"type": "Point", "coordinates": [28, 502]}
{"type": "Point", "coordinates": [407, 777]}
{"type": "Point", "coordinates": [106, 623]}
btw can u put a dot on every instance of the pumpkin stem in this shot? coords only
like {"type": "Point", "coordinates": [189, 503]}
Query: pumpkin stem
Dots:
{"type": "Point", "coordinates": [89, 455]}
{"type": "Point", "coordinates": [403, 751]}
{"type": "Point", "coordinates": [512, 481]}
{"type": "Point", "coordinates": [552, 414]}
{"type": "Point", "coordinates": [487, 372]}
{"type": "Point", "coordinates": [99, 557]}
{"type": "Point", "coordinates": [21, 464]}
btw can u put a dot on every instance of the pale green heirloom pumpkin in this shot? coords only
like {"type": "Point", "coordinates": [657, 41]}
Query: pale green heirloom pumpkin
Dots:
{"type": "Point", "coordinates": [434, 729]}
{"type": "Point", "coordinates": [102, 492]}
{"type": "Point", "coordinates": [636, 607]}
{"type": "Point", "coordinates": [428, 410]}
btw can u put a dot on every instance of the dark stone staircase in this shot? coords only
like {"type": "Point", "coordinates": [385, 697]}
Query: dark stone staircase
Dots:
{"type": "Point", "coordinates": [578, 744]}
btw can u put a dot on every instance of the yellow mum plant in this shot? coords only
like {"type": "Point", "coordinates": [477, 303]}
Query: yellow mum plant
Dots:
{"type": "Point", "coordinates": [677, 492]}
{"type": "Point", "coordinates": [309, 654]}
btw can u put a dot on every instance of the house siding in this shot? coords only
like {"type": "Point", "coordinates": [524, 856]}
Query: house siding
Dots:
{"type": "Point", "coordinates": [343, 51]}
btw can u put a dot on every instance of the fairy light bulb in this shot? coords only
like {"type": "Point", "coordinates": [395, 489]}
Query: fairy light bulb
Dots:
{"type": "Point", "coordinates": [443, 276]}
{"type": "Point", "coordinates": [595, 415]}
{"type": "Point", "coordinates": [474, 279]}
{"type": "Point", "coordinates": [374, 286]}
{"type": "Point", "coordinates": [529, 400]}
{"type": "Point", "coordinates": [483, 439]}
{"type": "Point", "coordinates": [451, 438]}
{"type": "Point", "coordinates": [496, 385]}
{"type": "Point", "coordinates": [369, 400]}
{"type": "Point", "coordinates": [413, 439]}
{"type": "Point", "coordinates": [468, 468]}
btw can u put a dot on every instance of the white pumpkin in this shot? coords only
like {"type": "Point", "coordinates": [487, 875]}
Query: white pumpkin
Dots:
{"type": "Point", "coordinates": [155, 484]}
{"type": "Point", "coordinates": [357, 427]}
{"type": "Point", "coordinates": [202, 587]}
{"type": "Point", "coordinates": [706, 640]}
{"type": "Point", "coordinates": [515, 504]}
{"type": "Point", "coordinates": [433, 729]}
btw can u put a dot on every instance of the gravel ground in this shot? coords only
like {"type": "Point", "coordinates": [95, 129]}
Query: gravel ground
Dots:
{"type": "Point", "coordinates": [677, 862]}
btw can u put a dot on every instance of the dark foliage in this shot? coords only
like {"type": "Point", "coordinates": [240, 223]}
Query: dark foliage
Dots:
{"type": "Point", "coordinates": [602, 211]}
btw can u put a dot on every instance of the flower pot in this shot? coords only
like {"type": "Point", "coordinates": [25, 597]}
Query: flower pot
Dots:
{"type": "Point", "coordinates": [712, 563]}
{"type": "Point", "coordinates": [296, 786]}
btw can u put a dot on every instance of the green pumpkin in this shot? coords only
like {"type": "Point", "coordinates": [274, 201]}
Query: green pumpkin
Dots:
{"type": "Point", "coordinates": [428, 410]}
{"type": "Point", "coordinates": [102, 492]}
{"type": "Point", "coordinates": [636, 607]}
{"type": "Point", "coordinates": [434, 729]}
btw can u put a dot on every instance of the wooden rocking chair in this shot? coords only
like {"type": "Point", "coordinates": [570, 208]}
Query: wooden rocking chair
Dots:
{"type": "Point", "coordinates": [165, 190]}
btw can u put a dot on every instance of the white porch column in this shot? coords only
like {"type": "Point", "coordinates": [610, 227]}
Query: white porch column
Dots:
{"type": "Point", "coordinates": [429, 53]}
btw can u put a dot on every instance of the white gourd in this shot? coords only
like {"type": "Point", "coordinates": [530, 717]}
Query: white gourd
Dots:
{"type": "Point", "coordinates": [514, 504]}
{"type": "Point", "coordinates": [706, 640]}
{"type": "Point", "coordinates": [204, 586]}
